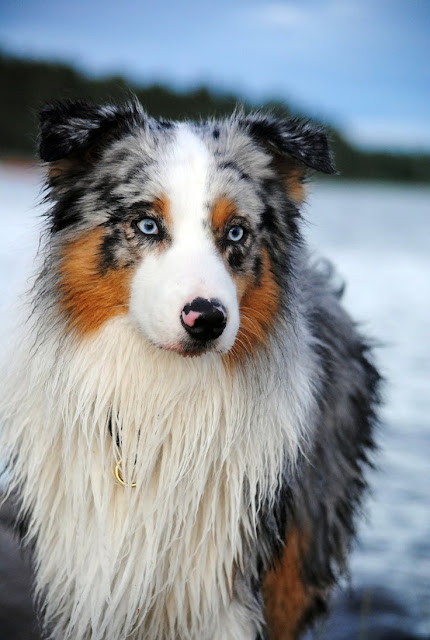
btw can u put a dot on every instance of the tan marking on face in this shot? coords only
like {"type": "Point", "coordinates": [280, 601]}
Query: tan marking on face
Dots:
{"type": "Point", "coordinates": [58, 168]}
{"type": "Point", "coordinates": [258, 305]}
{"type": "Point", "coordinates": [87, 297]}
{"type": "Point", "coordinates": [286, 596]}
{"type": "Point", "coordinates": [161, 206]}
{"type": "Point", "coordinates": [223, 210]}
{"type": "Point", "coordinates": [294, 185]}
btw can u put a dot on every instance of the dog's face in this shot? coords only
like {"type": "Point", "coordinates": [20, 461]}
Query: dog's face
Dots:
{"type": "Point", "coordinates": [187, 228]}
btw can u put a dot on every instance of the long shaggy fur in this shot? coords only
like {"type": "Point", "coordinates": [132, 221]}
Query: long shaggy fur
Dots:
{"type": "Point", "coordinates": [230, 450]}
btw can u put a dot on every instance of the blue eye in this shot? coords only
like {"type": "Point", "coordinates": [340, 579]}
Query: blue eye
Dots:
{"type": "Point", "coordinates": [236, 233]}
{"type": "Point", "coordinates": [148, 226]}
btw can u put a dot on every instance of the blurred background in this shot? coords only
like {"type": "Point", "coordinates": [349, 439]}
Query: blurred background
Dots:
{"type": "Point", "coordinates": [362, 68]}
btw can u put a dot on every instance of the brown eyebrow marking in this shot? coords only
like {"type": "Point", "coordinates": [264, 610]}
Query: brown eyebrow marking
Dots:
{"type": "Point", "coordinates": [161, 206]}
{"type": "Point", "coordinates": [222, 210]}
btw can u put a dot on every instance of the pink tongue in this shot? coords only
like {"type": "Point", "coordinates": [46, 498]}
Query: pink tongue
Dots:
{"type": "Point", "coordinates": [190, 317]}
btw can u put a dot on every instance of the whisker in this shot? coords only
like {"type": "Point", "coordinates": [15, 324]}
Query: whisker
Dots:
{"type": "Point", "coordinates": [251, 330]}
{"type": "Point", "coordinates": [255, 312]}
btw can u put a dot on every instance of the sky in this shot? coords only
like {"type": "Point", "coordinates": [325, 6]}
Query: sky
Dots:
{"type": "Point", "coordinates": [361, 65]}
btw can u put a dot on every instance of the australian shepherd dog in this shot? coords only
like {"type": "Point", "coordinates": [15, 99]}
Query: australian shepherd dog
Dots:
{"type": "Point", "coordinates": [189, 411]}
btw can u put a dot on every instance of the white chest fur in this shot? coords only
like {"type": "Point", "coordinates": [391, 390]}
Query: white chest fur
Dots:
{"type": "Point", "coordinates": [201, 442]}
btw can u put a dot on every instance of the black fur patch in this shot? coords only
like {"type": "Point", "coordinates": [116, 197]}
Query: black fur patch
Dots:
{"type": "Point", "coordinates": [229, 164]}
{"type": "Point", "coordinates": [66, 212]}
{"type": "Point", "coordinates": [257, 267]}
{"type": "Point", "coordinates": [70, 128]}
{"type": "Point", "coordinates": [108, 248]}
{"type": "Point", "coordinates": [164, 124]}
{"type": "Point", "coordinates": [297, 138]}
{"type": "Point", "coordinates": [269, 219]}
{"type": "Point", "coordinates": [236, 258]}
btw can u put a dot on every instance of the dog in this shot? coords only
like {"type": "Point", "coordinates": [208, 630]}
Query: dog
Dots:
{"type": "Point", "coordinates": [189, 413]}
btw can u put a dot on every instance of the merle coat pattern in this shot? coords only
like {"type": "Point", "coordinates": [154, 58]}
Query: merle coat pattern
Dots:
{"type": "Point", "coordinates": [239, 427]}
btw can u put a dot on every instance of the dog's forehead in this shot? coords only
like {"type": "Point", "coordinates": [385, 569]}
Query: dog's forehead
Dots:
{"type": "Point", "coordinates": [193, 165]}
{"type": "Point", "coordinates": [184, 167]}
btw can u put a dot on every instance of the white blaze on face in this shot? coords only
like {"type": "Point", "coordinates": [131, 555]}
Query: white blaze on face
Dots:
{"type": "Point", "coordinates": [190, 267]}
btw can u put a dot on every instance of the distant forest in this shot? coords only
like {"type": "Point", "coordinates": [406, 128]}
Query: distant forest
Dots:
{"type": "Point", "coordinates": [26, 84]}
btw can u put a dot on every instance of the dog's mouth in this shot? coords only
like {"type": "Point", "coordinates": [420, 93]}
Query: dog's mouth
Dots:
{"type": "Point", "coordinates": [187, 347]}
{"type": "Point", "coordinates": [192, 349]}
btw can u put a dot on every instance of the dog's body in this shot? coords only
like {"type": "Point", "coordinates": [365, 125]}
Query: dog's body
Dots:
{"type": "Point", "coordinates": [238, 470]}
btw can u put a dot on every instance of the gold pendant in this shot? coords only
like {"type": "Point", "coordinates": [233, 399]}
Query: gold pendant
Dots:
{"type": "Point", "coordinates": [119, 477]}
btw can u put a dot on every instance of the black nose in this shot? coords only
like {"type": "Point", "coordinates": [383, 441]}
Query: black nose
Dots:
{"type": "Point", "coordinates": [204, 319]}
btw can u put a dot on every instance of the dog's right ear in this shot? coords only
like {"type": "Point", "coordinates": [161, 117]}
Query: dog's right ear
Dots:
{"type": "Point", "coordinates": [76, 131]}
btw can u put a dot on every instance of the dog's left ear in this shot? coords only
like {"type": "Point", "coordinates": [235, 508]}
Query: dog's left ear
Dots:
{"type": "Point", "coordinates": [296, 145]}
{"type": "Point", "coordinates": [296, 138]}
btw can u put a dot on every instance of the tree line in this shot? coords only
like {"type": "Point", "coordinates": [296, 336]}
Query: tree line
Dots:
{"type": "Point", "coordinates": [27, 84]}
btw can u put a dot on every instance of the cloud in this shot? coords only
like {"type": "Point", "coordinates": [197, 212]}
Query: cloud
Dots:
{"type": "Point", "coordinates": [280, 15]}
{"type": "Point", "coordinates": [309, 15]}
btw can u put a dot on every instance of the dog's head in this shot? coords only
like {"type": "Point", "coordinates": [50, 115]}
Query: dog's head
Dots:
{"type": "Point", "coordinates": [186, 227]}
